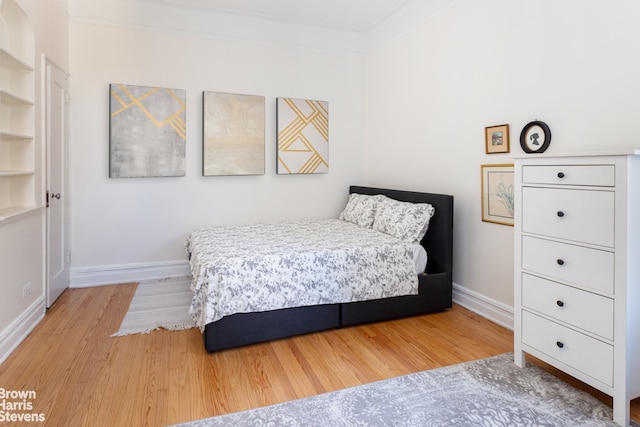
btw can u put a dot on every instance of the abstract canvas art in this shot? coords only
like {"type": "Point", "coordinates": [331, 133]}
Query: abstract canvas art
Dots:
{"type": "Point", "coordinates": [147, 131]}
{"type": "Point", "coordinates": [233, 134]}
{"type": "Point", "coordinates": [303, 136]}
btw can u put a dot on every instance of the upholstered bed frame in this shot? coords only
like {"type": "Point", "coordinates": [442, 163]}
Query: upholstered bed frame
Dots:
{"type": "Point", "coordinates": [435, 289]}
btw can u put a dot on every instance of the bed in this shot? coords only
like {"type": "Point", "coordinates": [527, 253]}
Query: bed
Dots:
{"type": "Point", "coordinates": [259, 282]}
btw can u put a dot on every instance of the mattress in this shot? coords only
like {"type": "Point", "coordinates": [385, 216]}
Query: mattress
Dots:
{"type": "Point", "coordinates": [269, 266]}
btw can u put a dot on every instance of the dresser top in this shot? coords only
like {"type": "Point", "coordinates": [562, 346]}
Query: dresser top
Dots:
{"type": "Point", "coordinates": [623, 152]}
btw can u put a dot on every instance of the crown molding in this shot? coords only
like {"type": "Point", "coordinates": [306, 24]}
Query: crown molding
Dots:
{"type": "Point", "coordinates": [204, 22]}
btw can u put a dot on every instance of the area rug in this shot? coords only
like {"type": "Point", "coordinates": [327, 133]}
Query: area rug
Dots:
{"type": "Point", "coordinates": [159, 304]}
{"type": "Point", "coordinates": [487, 392]}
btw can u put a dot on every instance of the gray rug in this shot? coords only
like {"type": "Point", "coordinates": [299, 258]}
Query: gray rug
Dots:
{"type": "Point", "coordinates": [487, 392]}
{"type": "Point", "coordinates": [162, 303]}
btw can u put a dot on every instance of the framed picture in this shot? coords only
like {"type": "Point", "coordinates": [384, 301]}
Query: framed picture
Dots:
{"type": "Point", "coordinates": [496, 139]}
{"type": "Point", "coordinates": [535, 137]}
{"type": "Point", "coordinates": [497, 193]}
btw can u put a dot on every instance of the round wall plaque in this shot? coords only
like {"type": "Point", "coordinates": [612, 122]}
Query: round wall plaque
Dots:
{"type": "Point", "coordinates": [535, 137]}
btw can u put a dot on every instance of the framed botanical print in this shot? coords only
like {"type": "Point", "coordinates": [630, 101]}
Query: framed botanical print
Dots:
{"type": "Point", "coordinates": [497, 193]}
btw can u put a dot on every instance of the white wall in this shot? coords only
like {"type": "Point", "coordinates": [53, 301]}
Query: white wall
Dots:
{"type": "Point", "coordinates": [129, 224]}
{"type": "Point", "coordinates": [429, 94]}
{"type": "Point", "coordinates": [432, 91]}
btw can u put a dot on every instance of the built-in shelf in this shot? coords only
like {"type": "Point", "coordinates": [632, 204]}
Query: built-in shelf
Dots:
{"type": "Point", "coordinates": [17, 173]}
{"type": "Point", "coordinates": [17, 212]}
{"type": "Point", "coordinates": [10, 136]}
{"type": "Point", "coordinates": [11, 62]}
{"type": "Point", "coordinates": [10, 98]}
{"type": "Point", "coordinates": [18, 193]}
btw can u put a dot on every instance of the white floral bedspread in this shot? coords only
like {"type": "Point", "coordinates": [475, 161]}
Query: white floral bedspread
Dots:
{"type": "Point", "coordinates": [269, 266]}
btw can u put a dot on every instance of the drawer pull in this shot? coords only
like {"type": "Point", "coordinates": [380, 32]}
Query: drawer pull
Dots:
{"type": "Point", "coordinates": [560, 175]}
{"type": "Point", "coordinates": [560, 261]}
{"type": "Point", "coordinates": [560, 303]}
{"type": "Point", "coordinates": [560, 214]}
{"type": "Point", "coordinates": [560, 344]}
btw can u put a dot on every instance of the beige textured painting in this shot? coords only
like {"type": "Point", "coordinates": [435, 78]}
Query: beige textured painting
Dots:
{"type": "Point", "coordinates": [303, 136]}
{"type": "Point", "coordinates": [233, 134]}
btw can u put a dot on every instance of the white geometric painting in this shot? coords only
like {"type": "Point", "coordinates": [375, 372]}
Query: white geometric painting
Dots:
{"type": "Point", "coordinates": [303, 136]}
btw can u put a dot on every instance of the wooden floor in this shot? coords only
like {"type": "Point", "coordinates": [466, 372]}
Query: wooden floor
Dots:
{"type": "Point", "coordinates": [84, 377]}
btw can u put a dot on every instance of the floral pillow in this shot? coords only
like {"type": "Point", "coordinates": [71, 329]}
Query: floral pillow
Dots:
{"type": "Point", "coordinates": [360, 209]}
{"type": "Point", "coordinates": [404, 220]}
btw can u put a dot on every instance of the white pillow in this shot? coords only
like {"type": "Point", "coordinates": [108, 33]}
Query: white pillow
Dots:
{"type": "Point", "coordinates": [360, 209]}
{"type": "Point", "coordinates": [404, 220]}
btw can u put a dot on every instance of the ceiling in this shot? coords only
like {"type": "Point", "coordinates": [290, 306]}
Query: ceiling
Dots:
{"type": "Point", "coordinates": [355, 26]}
{"type": "Point", "coordinates": [354, 15]}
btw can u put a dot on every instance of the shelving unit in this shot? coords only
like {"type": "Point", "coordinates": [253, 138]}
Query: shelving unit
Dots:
{"type": "Point", "coordinates": [17, 116]}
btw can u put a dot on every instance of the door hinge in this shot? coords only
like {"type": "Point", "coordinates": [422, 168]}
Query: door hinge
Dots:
{"type": "Point", "coordinates": [67, 97]}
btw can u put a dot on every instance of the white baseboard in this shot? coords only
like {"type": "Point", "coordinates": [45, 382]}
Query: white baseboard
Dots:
{"type": "Point", "coordinates": [18, 330]}
{"type": "Point", "coordinates": [127, 273]}
{"type": "Point", "coordinates": [488, 308]}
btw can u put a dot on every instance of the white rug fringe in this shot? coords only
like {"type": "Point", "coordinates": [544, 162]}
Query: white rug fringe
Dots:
{"type": "Point", "coordinates": [158, 304]}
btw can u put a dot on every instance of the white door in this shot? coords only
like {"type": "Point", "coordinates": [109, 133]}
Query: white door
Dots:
{"type": "Point", "coordinates": [58, 255]}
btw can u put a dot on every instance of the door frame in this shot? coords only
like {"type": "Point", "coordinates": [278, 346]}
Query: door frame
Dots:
{"type": "Point", "coordinates": [52, 294]}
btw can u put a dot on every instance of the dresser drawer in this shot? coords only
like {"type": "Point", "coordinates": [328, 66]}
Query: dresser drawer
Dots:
{"type": "Point", "coordinates": [586, 267]}
{"type": "Point", "coordinates": [582, 309]}
{"type": "Point", "coordinates": [579, 215]}
{"type": "Point", "coordinates": [588, 355]}
{"type": "Point", "coordinates": [594, 175]}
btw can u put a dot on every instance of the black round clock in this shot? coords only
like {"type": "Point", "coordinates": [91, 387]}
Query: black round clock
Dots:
{"type": "Point", "coordinates": [535, 137]}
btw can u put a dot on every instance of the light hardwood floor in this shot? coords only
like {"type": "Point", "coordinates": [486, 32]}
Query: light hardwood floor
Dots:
{"type": "Point", "coordinates": [84, 377]}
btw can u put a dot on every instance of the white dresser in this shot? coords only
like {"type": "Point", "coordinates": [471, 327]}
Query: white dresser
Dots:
{"type": "Point", "coordinates": [577, 268]}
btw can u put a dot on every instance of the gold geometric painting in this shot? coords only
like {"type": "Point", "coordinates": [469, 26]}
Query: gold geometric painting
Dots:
{"type": "Point", "coordinates": [233, 134]}
{"type": "Point", "coordinates": [303, 136]}
{"type": "Point", "coordinates": [147, 131]}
